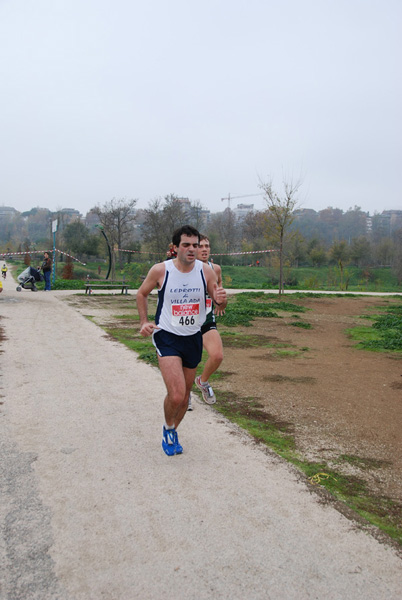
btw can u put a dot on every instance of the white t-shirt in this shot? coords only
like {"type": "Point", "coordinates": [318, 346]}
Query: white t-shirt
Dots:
{"type": "Point", "coordinates": [182, 300]}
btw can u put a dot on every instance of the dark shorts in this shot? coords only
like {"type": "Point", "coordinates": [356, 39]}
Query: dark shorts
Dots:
{"type": "Point", "coordinates": [187, 347]}
{"type": "Point", "coordinates": [208, 325]}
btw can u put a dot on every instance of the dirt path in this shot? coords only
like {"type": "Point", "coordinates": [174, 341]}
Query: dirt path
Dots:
{"type": "Point", "coordinates": [92, 508]}
{"type": "Point", "coordinates": [340, 400]}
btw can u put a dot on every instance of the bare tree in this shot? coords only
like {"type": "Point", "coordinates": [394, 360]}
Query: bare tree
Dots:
{"type": "Point", "coordinates": [163, 217]}
{"type": "Point", "coordinates": [224, 227]}
{"type": "Point", "coordinates": [340, 254]}
{"type": "Point", "coordinates": [117, 217]}
{"type": "Point", "coordinates": [175, 213]}
{"type": "Point", "coordinates": [153, 229]}
{"type": "Point", "coordinates": [197, 216]}
{"type": "Point", "coordinates": [279, 215]}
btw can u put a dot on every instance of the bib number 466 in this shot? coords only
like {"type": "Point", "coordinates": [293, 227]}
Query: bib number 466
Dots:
{"type": "Point", "coordinates": [187, 320]}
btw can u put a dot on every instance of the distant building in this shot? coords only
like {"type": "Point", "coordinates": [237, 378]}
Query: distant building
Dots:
{"type": "Point", "coordinates": [195, 212]}
{"type": "Point", "coordinates": [185, 201]}
{"type": "Point", "coordinates": [91, 219]}
{"type": "Point", "coordinates": [390, 220]}
{"type": "Point", "coordinates": [206, 215]}
{"type": "Point", "coordinates": [395, 218]}
{"type": "Point", "coordinates": [242, 210]}
{"type": "Point", "coordinates": [7, 211]}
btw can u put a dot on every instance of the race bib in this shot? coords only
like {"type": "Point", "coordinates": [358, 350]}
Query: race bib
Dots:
{"type": "Point", "coordinates": [208, 305]}
{"type": "Point", "coordinates": [185, 314]}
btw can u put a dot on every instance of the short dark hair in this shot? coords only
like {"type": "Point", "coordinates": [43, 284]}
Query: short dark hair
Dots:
{"type": "Point", "coordinates": [184, 230]}
{"type": "Point", "coordinates": [203, 237]}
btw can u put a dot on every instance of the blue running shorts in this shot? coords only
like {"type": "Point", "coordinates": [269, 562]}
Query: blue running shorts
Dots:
{"type": "Point", "coordinates": [187, 347]}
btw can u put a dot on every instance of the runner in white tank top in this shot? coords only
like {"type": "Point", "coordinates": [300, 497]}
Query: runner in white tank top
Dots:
{"type": "Point", "coordinates": [177, 329]}
{"type": "Point", "coordinates": [182, 300]}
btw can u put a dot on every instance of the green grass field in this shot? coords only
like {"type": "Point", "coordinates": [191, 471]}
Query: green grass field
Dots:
{"type": "Point", "coordinates": [235, 277]}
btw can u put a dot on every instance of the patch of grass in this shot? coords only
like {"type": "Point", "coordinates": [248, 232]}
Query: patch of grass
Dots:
{"type": "Point", "coordinates": [235, 319]}
{"type": "Point", "coordinates": [249, 414]}
{"type": "Point", "coordinates": [247, 306]}
{"type": "Point", "coordinates": [362, 462]}
{"type": "Point", "coordinates": [288, 379]}
{"type": "Point", "coordinates": [288, 307]}
{"type": "Point", "coordinates": [242, 310]}
{"type": "Point", "coordinates": [266, 300]}
{"type": "Point", "coordinates": [361, 333]}
{"type": "Point", "coordinates": [254, 295]}
{"type": "Point", "coordinates": [242, 340]}
{"type": "Point", "coordinates": [381, 511]}
{"type": "Point", "coordinates": [286, 353]}
{"type": "Point", "coordinates": [301, 324]}
{"type": "Point", "coordinates": [385, 334]}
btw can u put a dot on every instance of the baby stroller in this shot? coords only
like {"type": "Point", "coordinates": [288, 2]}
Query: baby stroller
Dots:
{"type": "Point", "coordinates": [28, 278]}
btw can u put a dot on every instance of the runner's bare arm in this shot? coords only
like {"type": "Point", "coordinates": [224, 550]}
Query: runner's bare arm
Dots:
{"type": "Point", "coordinates": [218, 294]}
{"type": "Point", "coordinates": [219, 310]}
{"type": "Point", "coordinates": [153, 279]}
{"type": "Point", "coordinates": [218, 271]}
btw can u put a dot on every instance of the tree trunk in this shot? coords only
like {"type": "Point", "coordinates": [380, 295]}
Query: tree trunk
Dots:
{"type": "Point", "coordinates": [281, 265]}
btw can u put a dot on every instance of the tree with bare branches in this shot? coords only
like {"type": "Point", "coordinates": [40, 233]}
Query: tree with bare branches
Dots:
{"type": "Point", "coordinates": [162, 217]}
{"type": "Point", "coordinates": [117, 217]}
{"type": "Point", "coordinates": [279, 216]}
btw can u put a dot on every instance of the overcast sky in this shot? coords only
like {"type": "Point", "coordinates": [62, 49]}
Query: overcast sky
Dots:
{"type": "Point", "coordinates": [126, 99]}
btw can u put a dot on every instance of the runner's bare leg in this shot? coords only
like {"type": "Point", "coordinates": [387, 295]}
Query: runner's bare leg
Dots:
{"type": "Point", "coordinates": [213, 345]}
{"type": "Point", "coordinates": [178, 381]}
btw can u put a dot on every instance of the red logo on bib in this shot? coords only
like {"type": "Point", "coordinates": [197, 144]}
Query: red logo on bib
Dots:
{"type": "Point", "coordinates": [185, 310]}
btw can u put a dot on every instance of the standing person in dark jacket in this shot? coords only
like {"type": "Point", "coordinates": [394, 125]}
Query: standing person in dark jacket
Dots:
{"type": "Point", "coordinates": [46, 268]}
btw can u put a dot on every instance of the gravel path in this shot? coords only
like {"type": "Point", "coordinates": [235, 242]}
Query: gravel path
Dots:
{"type": "Point", "coordinates": [91, 508]}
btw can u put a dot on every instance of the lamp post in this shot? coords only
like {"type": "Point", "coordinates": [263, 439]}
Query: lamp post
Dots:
{"type": "Point", "coordinates": [99, 226]}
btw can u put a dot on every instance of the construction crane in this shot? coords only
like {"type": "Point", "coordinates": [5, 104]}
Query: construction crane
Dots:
{"type": "Point", "coordinates": [229, 197]}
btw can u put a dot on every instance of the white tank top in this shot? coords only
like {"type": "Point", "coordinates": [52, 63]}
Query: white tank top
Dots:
{"type": "Point", "coordinates": [182, 300]}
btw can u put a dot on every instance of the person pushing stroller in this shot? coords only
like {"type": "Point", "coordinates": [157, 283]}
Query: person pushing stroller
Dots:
{"type": "Point", "coordinates": [46, 269]}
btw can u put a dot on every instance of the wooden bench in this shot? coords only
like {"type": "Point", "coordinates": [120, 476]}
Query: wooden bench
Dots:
{"type": "Point", "coordinates": [105, 284]}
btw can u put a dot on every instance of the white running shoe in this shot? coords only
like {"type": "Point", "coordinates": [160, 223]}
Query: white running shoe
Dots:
{"type": "Point", "coordinates": [207, 392]}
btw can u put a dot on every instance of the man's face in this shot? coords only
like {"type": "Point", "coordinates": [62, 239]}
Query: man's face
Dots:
{"type": "Point", "coordinates": [187, 249]}
{"type": "Point", "coordinates": [203, 251]}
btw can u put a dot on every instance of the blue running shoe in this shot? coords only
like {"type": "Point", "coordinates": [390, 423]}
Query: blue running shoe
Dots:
{"type": "Point", "coordinates": [179, 447]}
{"type": "Point", "coordinates": [170, 442]}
